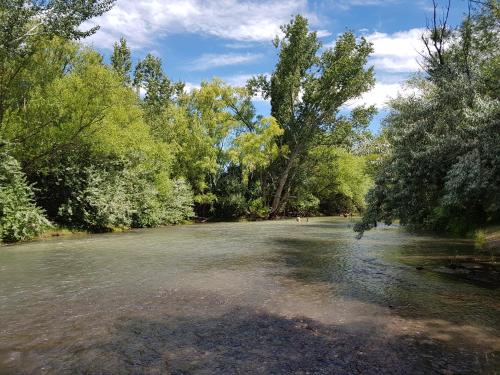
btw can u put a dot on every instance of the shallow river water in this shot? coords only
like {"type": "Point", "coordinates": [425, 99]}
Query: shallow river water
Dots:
{"type": "Point", "coordinates": [245, 298]}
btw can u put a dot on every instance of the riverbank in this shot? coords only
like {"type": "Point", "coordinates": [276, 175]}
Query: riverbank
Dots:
{"type": "Point", "coordinates": [492, 242]}
{"type": "Point", "coordinates": [62, 231]}
{"type": "Point", "coordinates": [486, 241]}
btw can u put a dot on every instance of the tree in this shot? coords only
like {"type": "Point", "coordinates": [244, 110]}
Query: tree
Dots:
{"type": "Point", "coordinates": [121, 60]}
{"type": "Point", "coordinates": [307, 90]}
{"type": "Point", "coordinates": [158, 89]}
{"type": "Point", "coordinates": [443, 169]}
{"type": "Point", "coordinates": [338, 178]}
{"type": "Point", "coordinates": [83, 139]}
{"type": "Point", "coordinates": [25, 23]}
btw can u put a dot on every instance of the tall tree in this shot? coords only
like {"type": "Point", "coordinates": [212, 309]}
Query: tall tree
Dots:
{"type": "Point", "coordinates": [307, 90]}
{"type": "Point", "coordinates": [443, 169]}
{"type": "Point", "coordinates": [149, 76]}
{"type": "Point", "coordinates": [121, 60]}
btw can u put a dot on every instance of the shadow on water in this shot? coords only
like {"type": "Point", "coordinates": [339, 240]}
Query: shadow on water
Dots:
{"type": "Point", "coordinates": [355, 273]}
{"type": "Point", "coordinates": [249, 341]}
{"type": "Point", "coordinates": [338, 262]}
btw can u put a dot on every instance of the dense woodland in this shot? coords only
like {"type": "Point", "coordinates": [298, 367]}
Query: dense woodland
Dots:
{"type": "Point", "coordinates": [93, 145]}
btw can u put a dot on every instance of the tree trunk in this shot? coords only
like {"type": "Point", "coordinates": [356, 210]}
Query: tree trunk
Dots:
{"type": "Point", "coordinates": [276, 205]}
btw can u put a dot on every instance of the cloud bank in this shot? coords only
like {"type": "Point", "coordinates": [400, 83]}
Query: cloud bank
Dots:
{"type": "Point", "coordinates": [394, 53]}
{"type": "Point", "coordinates": [211, 61]}
{"type": "Point", "coordinates": [143, 21]}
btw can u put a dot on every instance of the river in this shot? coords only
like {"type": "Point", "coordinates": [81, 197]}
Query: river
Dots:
{"type": "Point", "coordinates": [245, 298]}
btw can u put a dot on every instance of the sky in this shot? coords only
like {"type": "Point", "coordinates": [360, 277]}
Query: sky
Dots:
{"type": "Point", "coordinates": [232, 39]}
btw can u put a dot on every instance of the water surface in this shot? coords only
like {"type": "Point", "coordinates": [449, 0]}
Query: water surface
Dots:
{"type": "Point", "coordinates": [245, 298]}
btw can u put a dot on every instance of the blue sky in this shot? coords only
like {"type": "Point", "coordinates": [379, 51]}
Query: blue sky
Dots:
{"type": "Point", "coordinates": [231, 39]}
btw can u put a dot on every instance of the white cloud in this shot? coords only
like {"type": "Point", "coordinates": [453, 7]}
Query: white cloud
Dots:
{"type": "Point", "coordinates": [395, 64]}
{"type": "Point", "coordinates": [238, 80]}
{"type": "Point", "coordinates": [210, 61]}
{"type": "Point", "coordinates": [347, 4]}
{"type": "Point", "coordinates": [393, 53]}
{"type": "Point", "coordinates": [381, 94]}
{"type": "Point", "coordinates": [142, 92]}
{"type": "Point", "coordinates": [142, 21]}
{"type": "Point", "coordinates": [323, 33]}
{"type": "Point", "coordinates": [190, 87]}
{"type": "Point", "coordinates": [240, 45]}
{"type": "Point", "coordinates": [397, 52]}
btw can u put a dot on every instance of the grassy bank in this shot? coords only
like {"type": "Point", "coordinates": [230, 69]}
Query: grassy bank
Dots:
{"type": "Point", "coordinates": [60, 231]}
{"type": "Point", "coordinates": [488, 239]}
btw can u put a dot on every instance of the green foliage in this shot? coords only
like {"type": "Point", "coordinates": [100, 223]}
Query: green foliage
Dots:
{"type": "Point", "coordinates": [304, 204]}
{"type": "Point", "coordinates": [231, 195]}
{"type": "Point", "coordinates": [307, 90]}
{"type": "Point", "coordinates": [27, 23]}
{"type": "Point", "coordinates": [29, 18]}
{"type": "Point", "coordinates": [218, 145]}
{"type": "Point", "coordinates": [258, 208]}
{"type": "Point", "coordinates": [20, 218]}
{"type": "Point", "coordinates": [84, 141]}
{"type": "Point", "coordinates": [339, 179]}
{"type": "Point", "coordinates": [93, 199]}
{"type": "Point", "coordinates": [479, 239]}
{"type": "Point", "coordinates": [158, 88]}
{"type": "Point", "coordinates": [105, 151]}
{"type": "Point", "coordinates": [443, 172]}
{"type": "Point", "coordinates": [113, 195]}
{"type": "Point", "coordinates": [121, 60]}
{"type": "Point", "coordinates": [179, 203]}
{"type": "Point", "coordinates": [256, 149]}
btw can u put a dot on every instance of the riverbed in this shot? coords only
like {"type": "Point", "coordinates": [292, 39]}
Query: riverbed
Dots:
{"type": "Point", "coordinates": [246, 298]}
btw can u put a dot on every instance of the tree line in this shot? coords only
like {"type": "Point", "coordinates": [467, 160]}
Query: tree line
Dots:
{"type": "Point", "coordinates": [91, 145]}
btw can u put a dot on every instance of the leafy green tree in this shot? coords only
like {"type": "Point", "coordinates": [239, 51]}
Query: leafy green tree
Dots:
{"type": "Point", "coordinates": [84, 142]}
{"type": "Point", "coordinates": [443, 170]}
{"type": "Point", "coordinates": [339, 179]}
{"type": "Point", "coordinates": [307, 91]}
{"type": "Point", "coordinates": [81, 135]}
{"type": "Point", "coordinates": [27, 22]}
{"type": "Point", "coordinates": [256, 148]}
{"type": "Point", "coordinates": [158, 89]}
{"type": "Point", "coordinates": [121, 60]}
{"type": "Point", "coordinates": [60, 113]}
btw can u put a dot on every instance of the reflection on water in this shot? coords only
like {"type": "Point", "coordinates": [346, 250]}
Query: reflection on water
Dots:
{"type": "Point", "coordinates": [265, 298]}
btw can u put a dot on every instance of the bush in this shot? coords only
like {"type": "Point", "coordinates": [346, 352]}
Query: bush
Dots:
{"type": "Point", "coordinates": [20, 218]}
{"type": "Point", "coordinates": [101, 204]}
{"type": "Point", "coordinates": [179, 205]}
{"type": "Point", "coordinates": [112, 195]}
{"type": "Point", "coordinates": [257, 208]}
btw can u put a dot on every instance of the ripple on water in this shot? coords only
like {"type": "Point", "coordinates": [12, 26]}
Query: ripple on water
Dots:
{"type": "Point", "coordinates": [264, 297]}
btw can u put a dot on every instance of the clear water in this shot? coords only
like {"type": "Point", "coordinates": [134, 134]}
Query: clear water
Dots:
{"type": "Point", "coordinates": [244, 298]}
